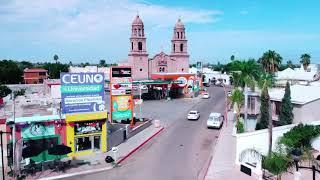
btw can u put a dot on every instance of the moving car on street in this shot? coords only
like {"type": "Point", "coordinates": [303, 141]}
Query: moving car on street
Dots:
{"type": "Point", "coordinates": [193, 115]}
{"type": "Point", "coordinates": [215, 120]}
{"type": "Point", "coordinates": [205, 95]}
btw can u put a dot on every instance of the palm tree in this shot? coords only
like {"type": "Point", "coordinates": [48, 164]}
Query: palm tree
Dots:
{"type": "Point", "coordinates": [245, 74]}
{"type": "Point", "coordinates": [56, 58]}
{"type": "Point", "coordinates": [237, 98]}
{"type": "Point", "coordinates": [232, 58]}
{"type": "Point", "coordinates": [289, 64]}
{"type": "Point", "coordinates": [270, 61]}
{"type": "Point", "coordinates": [102, 63]}
{"type": "Point", "coordinates": [305, 60]}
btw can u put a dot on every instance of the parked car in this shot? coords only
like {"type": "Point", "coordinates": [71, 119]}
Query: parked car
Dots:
{"type": "Point", "coordinates": [205, 95]}
{"type": "Point", "coordinates": [215, 120]}
{"type": "Point", "coordinates": [193, 115]}
{"type": "Point", "coordinates": [229, 93]}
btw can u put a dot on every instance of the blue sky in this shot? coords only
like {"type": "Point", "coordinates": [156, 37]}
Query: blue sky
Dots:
{"type": "Point", "coordinates": [90, 30]}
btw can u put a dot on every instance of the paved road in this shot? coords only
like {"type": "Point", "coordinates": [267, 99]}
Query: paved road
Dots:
{"type": "Point", "coordinates": [179, 153]}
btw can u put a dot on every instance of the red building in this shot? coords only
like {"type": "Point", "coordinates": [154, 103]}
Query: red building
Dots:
{"type": "Point", "coordinates": [34, 76]}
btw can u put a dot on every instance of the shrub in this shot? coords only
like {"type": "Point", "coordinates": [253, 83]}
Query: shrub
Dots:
{"type": "Point", "coordinates": [276, 163]}
{"type": "Point", "coordinates": [300, 136]}
{"type": "Point", "coordinates": [240, 126]}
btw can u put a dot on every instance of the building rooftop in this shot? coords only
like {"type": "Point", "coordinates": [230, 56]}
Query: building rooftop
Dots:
{"type": "Point", "coordinates": [34, 70]}
{"type": "Point", "coordinates": [300, 75]}
{"type": "Point", "coordinates": [299, 94]}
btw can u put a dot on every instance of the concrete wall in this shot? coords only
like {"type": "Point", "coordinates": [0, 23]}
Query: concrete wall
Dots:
{"type": "Point", "coordinates": [259, 140]}
{"type": "Point", "coordinates": [302, 113]}
{"type": "Point", "coordinates": [30, 88]}
{"type": "Point", "coordinates": [307, 113]}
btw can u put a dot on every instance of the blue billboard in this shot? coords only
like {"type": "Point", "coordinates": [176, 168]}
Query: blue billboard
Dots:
{"type": "Point", "coordinates": [82, 92]}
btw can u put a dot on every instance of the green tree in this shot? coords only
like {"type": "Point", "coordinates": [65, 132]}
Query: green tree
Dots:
{"type": "Point", "coordinates": [10, 73]}
{"type": "Point", "coordinates": [264, 109]}
{"type": "Point", "coordinates": [4, 91]}
{"type": "Point", "coordinates": [232, 58]}
{"type": "Point", "coordinates": [277, 163]}
{"type": "Point", "coordinates": [289, 64]}
{"type": "Point", "coordinates": [286, 115]}
{"type": "Point", "coordinates": [305, 60]}
{"type": "Point", "coordinates": [55, 69]}
{"type": "Point", "coordinates": [102, 63]}
{"type": "Point", "coordinates": [237, 98]}
{"type": "Point", "coordinates": [245, 74]}
{"type": "Point", "coordinates": [20, 92]}
{"type": "Point", "coordinates": [271, 61]}
{"type": "Point", "coordinates": [56, 58]}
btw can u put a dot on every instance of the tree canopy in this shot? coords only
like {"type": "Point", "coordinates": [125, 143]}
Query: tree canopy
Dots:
{"type": "Point", "coordinates": [305, 60]}
{"type": "Point", "coordinates": [270, 61]}
{"type": "Point", "coordinates": [286, 115]}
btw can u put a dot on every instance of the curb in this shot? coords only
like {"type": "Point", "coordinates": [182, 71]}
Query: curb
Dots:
{"type": "Point", "coordinates": [106, 168]}
{"type": "Point", "coordinates": [211, 156]}
{"type": "Point", "coordinates": [138, 147]}
{"type": "Point", "coordinates": [77, 174]}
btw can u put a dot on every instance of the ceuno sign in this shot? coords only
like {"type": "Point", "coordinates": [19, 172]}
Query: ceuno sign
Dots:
{"type": "Point", "coordinates": [81, 78]}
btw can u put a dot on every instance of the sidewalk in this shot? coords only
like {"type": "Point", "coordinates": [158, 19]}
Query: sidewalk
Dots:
{"type": "Point", "coordinates": [223, 165]}
{"type": "Point", "coordinates": [97, 160]}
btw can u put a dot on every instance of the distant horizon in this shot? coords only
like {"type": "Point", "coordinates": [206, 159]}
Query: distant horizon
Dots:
{"type": "Point", "coordinates": [84, 31]}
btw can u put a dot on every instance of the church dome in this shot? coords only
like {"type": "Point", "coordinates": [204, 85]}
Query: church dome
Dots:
{"type": "Point", "coordinates": [137, 21]}
{"type": "Point", "coordinates": [179, 24]}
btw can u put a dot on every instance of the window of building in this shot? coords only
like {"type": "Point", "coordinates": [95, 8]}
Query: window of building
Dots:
{"type": "Point", "coordinates": [160, 69]}
{"type": "Point", "coordinates": [163, 70]}
{"type": "Point", "coordinates": [278, 107]}
{"type": "Point", "coordinates": [174, 47]}
{"type": "Point", "coordinates": [181, 47]}
{"type": "Point", "coordinates": [139, 32]}
{"type": "Point", "coordinates": [140, 69]}
{"type": "Point", "coordinates": [178, 35]}
{"type": "Point", "coordinates": [140, 46]}
{"type": "Point", "coordinates": [182, 69]}
{"type": "Point", "coordinates": [131, 45]}
{"type": "Point", "coordinates": [42, 73]}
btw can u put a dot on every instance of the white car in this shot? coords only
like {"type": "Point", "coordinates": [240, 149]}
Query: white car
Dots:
{"type": "Point", "coordinates": [205, 96]}
{"type": "Point", "coordinates": [193, 115]}
{"type": "Point", "coordinates": [229, 93]}
{"type": "Point", "coordinates": [215, 120]}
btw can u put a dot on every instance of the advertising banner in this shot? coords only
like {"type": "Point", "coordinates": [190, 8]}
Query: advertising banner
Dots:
{"type": "Point", "coordinates": [82, 92]}
{"type": "Point", "coordinates": [121, 107]}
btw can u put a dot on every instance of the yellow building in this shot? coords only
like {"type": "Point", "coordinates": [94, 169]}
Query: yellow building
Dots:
{"type": "Point", "coordinates": [86, 133]}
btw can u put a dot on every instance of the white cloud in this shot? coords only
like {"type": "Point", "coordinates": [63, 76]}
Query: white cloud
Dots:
{"type": "Point", "coordinates": [76, 20]}
{"type": "Point", "coordinates": [244, 12]}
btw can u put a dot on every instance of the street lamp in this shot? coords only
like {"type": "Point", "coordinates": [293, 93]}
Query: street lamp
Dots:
{"type": "Point", "coordinates": [296, 156]}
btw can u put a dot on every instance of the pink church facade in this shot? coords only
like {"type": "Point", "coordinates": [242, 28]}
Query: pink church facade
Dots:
{"type": "Point", "coordinates": [143, 67]}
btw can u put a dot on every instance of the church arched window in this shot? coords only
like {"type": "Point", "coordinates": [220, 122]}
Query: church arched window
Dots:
{"type": "Point", "coordinates": [140, 46]}
{"type": "Point", "coordinates": [131, 45]}
{"type": "Point", "coordinates": [178, 35]}
{"type": "Point", "coordinates": [139, 32]}
{"type": "Point", "coordinates": [181, 47]}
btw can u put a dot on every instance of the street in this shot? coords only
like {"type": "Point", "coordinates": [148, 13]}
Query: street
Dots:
{"type": "Point", "coordinates": [180, 152]}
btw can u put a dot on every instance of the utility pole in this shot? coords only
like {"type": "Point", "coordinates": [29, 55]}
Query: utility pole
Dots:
{"type": "Point", "coordinates": [140, 93]}
{"type": "Point", "coordinates": [2, 156]}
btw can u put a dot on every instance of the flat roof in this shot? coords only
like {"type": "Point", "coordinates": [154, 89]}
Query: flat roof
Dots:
{"type": "Point", "coordinates": [35, 70]}
{"type": "Point", "coordinates": [299, 94]}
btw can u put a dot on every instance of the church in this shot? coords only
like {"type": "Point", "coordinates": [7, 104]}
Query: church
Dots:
{"type": "Point", "coordinates": [143, 66]}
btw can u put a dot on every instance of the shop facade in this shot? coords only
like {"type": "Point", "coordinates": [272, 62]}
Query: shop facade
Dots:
{"type": "Point", "coordinates": [86, 133]}
{"type": "Point", "coordinates": [35, 135]}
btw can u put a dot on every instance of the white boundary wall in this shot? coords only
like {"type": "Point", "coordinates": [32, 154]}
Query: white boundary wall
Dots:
{"type": "Point", "coordinates": [259, 141]}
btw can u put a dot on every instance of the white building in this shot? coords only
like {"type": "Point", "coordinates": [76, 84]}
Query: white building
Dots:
{"type": "Point", "coordinates": [296, 76]}
{"type": "Point", "coordinates": [211, 75]}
